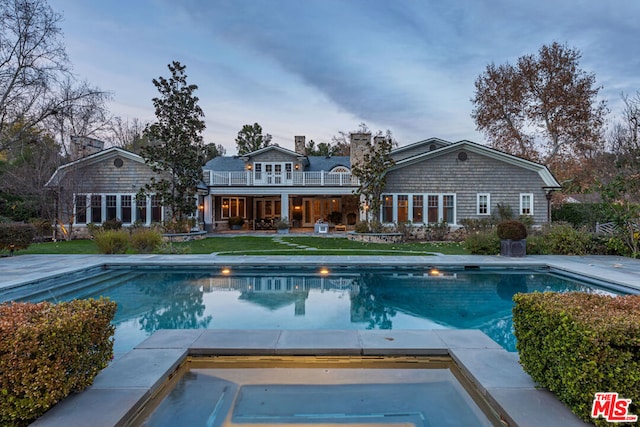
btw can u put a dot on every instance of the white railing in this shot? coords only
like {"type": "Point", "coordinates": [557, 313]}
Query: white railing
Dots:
{"type": "Point", "coordinates": [300, 179]}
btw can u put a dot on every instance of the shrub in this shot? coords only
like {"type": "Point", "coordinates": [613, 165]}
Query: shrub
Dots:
{"type": "Point", "coordinates": [486, 243]}
{"type": "Point", "coordinates": [472, 225]}
{"type": "Point", "coordinates": [236, 220]}
{"type": "Point", "coordinates": [581, 214]}
{"type": "Point", "coordinates": [112, 224]}
{"type": "Point", "coordinates": [361, 227]}
{"type": "Point", "coordinates": [511, 230]}
{"type": "Point", "coordinates": [16, 235]}
{"type": "Point", "coordinates": [48, 351]}
{"type": "Point", "coordinates": [145, 241]}
{"type": "Point", "coordinates": [437, 232]}
{"type": "Point", "coordinates": [43, 229]}
{"type": "Point", "coordinates": [112, 241]}
{"type": "Point", "coordinates": [576, 344]}
{"type": "Point", "coordinates": [537, 244]}
{"type": "Point", "coordinates": [563, 239]}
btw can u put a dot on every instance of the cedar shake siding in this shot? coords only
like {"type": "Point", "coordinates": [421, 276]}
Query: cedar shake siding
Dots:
{"type": "Point", "coordinates": [447, 174]}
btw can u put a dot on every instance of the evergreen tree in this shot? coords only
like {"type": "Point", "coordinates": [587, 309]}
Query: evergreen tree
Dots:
{"type": "Point", "coordinates": [250, 138]}
{"type": "Point", "coordinates": [175, 147]}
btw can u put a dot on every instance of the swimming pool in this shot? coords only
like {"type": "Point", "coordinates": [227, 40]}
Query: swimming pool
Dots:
{"type": "Point", "coordinates": [151, 298]}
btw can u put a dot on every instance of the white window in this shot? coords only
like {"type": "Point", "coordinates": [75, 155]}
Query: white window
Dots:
{"type": "Point", "coordinates": [484, 204]}
{"type": "Point", "coordinates": [526, 204]}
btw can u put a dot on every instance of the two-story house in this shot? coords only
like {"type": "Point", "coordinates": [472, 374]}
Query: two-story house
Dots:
{"type": "Point", "coordinates": [432, 181]}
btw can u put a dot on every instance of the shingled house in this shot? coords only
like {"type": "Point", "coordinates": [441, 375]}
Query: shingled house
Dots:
{"type": "Point", "coordinates": [432, 181]}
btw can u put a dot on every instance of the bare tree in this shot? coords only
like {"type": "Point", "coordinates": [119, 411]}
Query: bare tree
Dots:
{"type": "Point", "coordinates": [127, 134]}
{"type": "Point", "coordinates": [32, 58]}
{"type": "Point", "coordinates": [80, 111]}
{"type": "Point", "coordinates": [543, 109]}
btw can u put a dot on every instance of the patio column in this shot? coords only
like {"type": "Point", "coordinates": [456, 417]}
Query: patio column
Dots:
{"type": "Point", "coordinates": [284, 206]}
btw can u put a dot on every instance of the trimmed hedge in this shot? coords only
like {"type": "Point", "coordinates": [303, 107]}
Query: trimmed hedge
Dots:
{"type": "Point", "coordinates": [48, 351]}
{"type": "Point", "coordinates": [16, 235]}
{"type": "Point", "coordinates": [576, 344]}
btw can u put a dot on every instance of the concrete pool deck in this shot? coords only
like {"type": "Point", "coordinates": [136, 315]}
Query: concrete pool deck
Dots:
{"type": "Point", "coordinates": [120, 389]}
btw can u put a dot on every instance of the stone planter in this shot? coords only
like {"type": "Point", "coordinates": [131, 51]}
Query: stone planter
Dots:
{"type": "Point", "coordinates": [513, 248]}
{"type": "Point", "coordinates": [283, 231]}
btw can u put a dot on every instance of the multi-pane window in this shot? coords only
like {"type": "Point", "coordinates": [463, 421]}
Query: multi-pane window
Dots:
{"type": "Point", "coordinates": [81, 208]}
{"type": "Point", "coordinates": [526, 204]}
{"type": "Point", "coordinates": [156, 209]}
{"type": "Point", "coordinates": [403, 208]}
{"type": "Point", "coordinates": [125, 206]}
{"type": "Point", "coordinates": [418, 208]}
{"type": "Point", "coordinates": [141, 209]}
{"type": "Point", "coordinates": [432, 209]}
{"type": "Point", "coordinates": [448, 209]}
{"type": "Point", "coordinates": [387, 208]}
{"type": "Point", "coordinates": [411, 207]}
{"type": "Point", "coordinates": [112, 205]}
{"type": "Point", "coordinates": [233, 206]}
{"type": "Point", "coordinates": [96, 208]}
{"type": "Point", "coordinates": [483, 204]}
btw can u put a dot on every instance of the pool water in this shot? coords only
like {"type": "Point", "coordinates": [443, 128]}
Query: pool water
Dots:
{"type": "Point", "coordinates": [150, 299]}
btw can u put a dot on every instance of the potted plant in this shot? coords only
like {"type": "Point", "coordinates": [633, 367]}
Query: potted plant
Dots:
{"type": "Point", "coordinates": [236, 222]}
{"type": "Point", "coordinates": [512, 236]}
{"type": "Point", "coordinates": [282, 226]}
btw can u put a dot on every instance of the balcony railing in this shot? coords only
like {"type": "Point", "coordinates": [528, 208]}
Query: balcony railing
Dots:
{"type": "Point", "coordinates": [298, 179]}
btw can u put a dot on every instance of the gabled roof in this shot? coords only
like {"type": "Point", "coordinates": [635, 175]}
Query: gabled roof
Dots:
{"type": "Point", "coordinates": [271, 148]}
{"type": "Point", "coordinates": [427, 141]}
{"type": "Point", "coordinates": [473, 147]}
{"type": "Point", "coordinates": [92, 159]}
{"type": "Point", "coordinates": [327, 163]}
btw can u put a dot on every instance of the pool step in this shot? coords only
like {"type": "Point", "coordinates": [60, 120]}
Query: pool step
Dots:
{"type": "Point", "coordinates": [55, 289]}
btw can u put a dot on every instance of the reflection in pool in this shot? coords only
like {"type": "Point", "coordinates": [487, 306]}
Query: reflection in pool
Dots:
{"type": "Point", "coordinates": [306, 298]}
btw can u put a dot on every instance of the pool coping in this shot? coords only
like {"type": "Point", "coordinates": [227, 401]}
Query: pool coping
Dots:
{"type": "Point", "coordinates": [121, 389]}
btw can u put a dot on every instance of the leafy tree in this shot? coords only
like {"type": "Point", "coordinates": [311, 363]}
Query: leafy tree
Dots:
{"type": "Point", "coordinates": [543, 109]}
{"type": "Point", "coordinates": [176, 149]}
{"type": "Point", "coordinates": [212, 151]}
{"type": "Point", "coordinates": [250, 138]}
{"type": "Point", "coordinates": [371, 171]}
{"type": "Point", "coordinates": [322, 149]}
{"type": "Point", "coordinates": [25, 167]}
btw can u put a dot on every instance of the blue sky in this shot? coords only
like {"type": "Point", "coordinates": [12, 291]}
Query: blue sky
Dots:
{"type": "Point", "coordinates": [317, 67]}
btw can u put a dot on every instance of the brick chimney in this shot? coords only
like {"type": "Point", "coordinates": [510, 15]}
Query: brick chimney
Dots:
{"type": "Point", "coordinates": [299, 145]}
{"type": "Point", "coordinates": [358, 147]}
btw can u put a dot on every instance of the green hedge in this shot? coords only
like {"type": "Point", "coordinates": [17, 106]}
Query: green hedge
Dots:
{"type": "Point", "coordinates": [576, 344]}
{"type": "Point", "coordinates": [48, 351]}
{"type": "Point", "coordinates": [16, 235]}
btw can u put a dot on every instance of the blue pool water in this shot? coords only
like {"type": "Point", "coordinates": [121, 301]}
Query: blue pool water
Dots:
{"type": "Point", "coordinates": [310, 298]}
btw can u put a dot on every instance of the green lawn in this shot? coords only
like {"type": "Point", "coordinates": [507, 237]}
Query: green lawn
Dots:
{"type": "Point", "coordinates": [268, 245]}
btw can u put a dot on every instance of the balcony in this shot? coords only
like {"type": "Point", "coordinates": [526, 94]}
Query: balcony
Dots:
{"type": "Point", "coordinates": [290, 179]}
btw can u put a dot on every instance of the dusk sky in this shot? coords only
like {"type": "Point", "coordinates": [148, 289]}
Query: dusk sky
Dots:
{"type": "Point", "coordinates": [317, 67]}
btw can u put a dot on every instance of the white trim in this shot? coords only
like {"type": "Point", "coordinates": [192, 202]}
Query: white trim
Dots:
{"type": "Point", "coordinates": [425, 207]}
{"type": "Point", "coordinates": [522, 196]}
{"type": "Point", "coordinates": [488, 212]}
